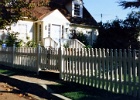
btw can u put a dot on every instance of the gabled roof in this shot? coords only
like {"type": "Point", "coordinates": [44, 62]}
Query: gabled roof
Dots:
{"type": "Point", "coordinates": [41, 11]}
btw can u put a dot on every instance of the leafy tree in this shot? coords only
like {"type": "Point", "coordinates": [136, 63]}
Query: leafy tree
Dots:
{"type": "Point", "coordinates": [120, 34]}
{"type": "Point", "coordinates": [130, 4]}
{"type": "Point", "coordinates": [10, 11]}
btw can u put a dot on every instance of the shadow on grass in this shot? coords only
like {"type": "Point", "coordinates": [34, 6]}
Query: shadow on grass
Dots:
{"type": "Point", "coordinates": [9, 71]}
{"type": "Point", "coordinates": [81, 92]}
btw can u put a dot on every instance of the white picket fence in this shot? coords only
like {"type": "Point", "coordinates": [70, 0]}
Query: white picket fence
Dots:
{"type": "Point", "coordinates": [31, 59]}
{"type": "Point", "coordinates": [113, 70]}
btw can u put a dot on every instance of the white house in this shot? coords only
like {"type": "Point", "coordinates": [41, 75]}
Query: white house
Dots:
{"type": "Point", "coordinates": [51, 22]}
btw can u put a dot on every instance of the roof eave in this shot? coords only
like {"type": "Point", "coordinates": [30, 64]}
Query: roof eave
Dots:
{"type": "Point", "coordinates": [83, 25]}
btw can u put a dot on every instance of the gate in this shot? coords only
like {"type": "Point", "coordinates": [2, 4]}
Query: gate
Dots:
{"type": "Point", "coordinates": [49, 59]}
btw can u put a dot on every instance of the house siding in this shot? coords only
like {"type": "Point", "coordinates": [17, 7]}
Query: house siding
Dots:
{"type": "Point", "coordinates": [25, 28]}
{"type": "Point", "coordinates": [3, 35]}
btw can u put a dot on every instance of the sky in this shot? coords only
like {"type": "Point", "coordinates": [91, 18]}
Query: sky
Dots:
{"type": "Point", "coordinates": [109, 9]}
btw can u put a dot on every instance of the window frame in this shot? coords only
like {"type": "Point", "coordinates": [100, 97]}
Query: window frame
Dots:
{"type": "Point", "coordinates": [49, 30]}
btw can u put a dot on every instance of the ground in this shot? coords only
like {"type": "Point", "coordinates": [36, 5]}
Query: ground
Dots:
{"type": "Point", "coordinates": [22, 85]}
{"type": "Point", "coordinates": [8, 92]}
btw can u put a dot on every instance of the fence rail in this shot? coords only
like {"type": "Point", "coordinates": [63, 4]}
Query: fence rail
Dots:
{"type": "Point", "coordinates": [113, 70]}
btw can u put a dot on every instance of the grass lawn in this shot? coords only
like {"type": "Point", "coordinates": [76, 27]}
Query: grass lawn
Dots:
{"type": "Point", "coordinates": [6, 72]}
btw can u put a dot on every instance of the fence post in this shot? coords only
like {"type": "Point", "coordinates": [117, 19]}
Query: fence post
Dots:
{"type": "Point", "coordinates": [60, 62]}
{"type": "Point", "coordinates": [38, 59]}
{"type": "Point", "coordinates": [13, 54]}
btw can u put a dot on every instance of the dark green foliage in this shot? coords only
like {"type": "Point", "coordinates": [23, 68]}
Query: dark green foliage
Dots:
{"type": "Point", "coordinates": [1, 42]}
{"type": "Point", "coordinates": [10, 11]}
{"type": "Point", "coordinates": [88, 46]}
{"type": "Point", "coordinates": [66, 45]}
{"type": "Point", "coordinates": [130, 4]}
{"type": "Point", "coordinates": [120, 34]}
{"type": "Point", "coordinates": [12, 39]}
{"type": "Point", "coordinates": [80, 36]}
{"type": "Point", "coordinates": [31, 44]}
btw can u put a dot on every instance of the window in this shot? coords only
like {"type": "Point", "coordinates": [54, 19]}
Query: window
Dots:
{"type": "Point", "coordinates": [40, 32]}
{"type": "Point", "coordinates": [77, 9]}
{"type": "Point", "coordinates": [46, 27]}
{"type": "Point", "coordinates": [49, 29]}
{"type": "Point", "coordinates": [36, 32]}
{"type": "Point", "coordinates": [62, 31]}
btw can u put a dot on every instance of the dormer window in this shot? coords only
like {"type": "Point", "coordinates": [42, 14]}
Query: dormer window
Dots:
{"type": "Point", "coordinates": [77, 8]}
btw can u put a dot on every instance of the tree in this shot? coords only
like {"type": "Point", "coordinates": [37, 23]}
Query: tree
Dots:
{"type": "Point", "coordinates": [120, 34]}
{"type": "Point", "coordinates": [130, 4]}
{"type": "Point", "coordinates": [12, 38]}
{"type": "Point", "coordinates": [10, 11]}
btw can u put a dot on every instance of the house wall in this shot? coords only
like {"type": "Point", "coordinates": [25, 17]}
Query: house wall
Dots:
{"type": "Point", "coordinates": [90, 32]}
{"type": "Point", "coordinates": [24, 28]}
{"type": "Point", "coordinates": [3, 35]}
{"type": "Point", "coordinates": [54, 25]}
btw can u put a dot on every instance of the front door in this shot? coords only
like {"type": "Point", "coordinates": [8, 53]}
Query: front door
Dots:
{"type": "Point", "coordinates": [56, 33]}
